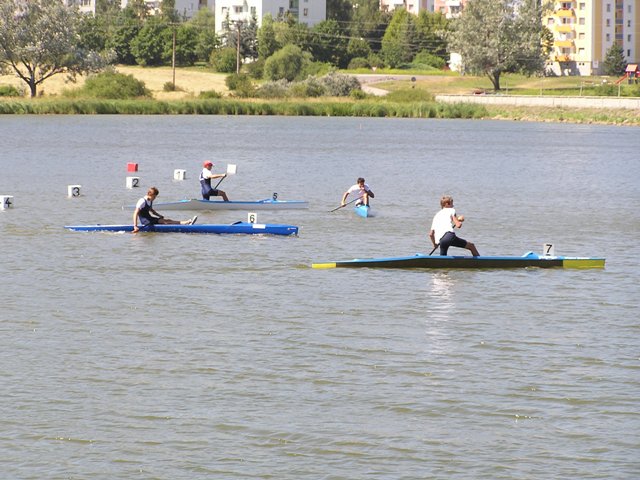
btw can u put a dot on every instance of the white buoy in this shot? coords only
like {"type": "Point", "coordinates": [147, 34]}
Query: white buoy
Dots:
{"type": "Point", "coordinates": [179, 174]}
{"type": "Point", "coordinates": [73, 190]}
{"type": "Point", "coordinates": [252, 217]}
{"type": "Point", "coordinates": [133, 182]}
{"type": "Point", "coordinates": [548, 250]}
{"type": "Point", "coordinates": [7, 202]}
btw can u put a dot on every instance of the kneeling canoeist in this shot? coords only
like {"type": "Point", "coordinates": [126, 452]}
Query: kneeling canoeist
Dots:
{"type": "Point", "coordinates": [442, 228]}
{"type": "Point", "coordinates": [361, 191]}
{"type": "Point", "coordinates": [148, 216]}
{"type": "Point", "coordinates": [205, 181]}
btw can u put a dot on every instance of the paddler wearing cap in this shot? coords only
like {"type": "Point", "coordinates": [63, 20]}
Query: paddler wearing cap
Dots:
{"type": "Point", "coordinates": [205, 180]}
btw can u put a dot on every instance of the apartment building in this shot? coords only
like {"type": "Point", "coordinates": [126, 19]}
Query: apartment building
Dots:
{"type": "Point", "coordinates": [308, 12]}
{"type": "Point", "coordinates": [449, 8]}
{"type": "Point", "coordinates": [584, 30]}
{"type": "Point", "coordinates": [186, 8]}
{"type": "Point", "coordinates": [411, 6]}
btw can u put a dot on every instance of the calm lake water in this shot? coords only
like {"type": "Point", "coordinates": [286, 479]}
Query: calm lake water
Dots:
{"type": "Point", "coordinates": [200, 356]}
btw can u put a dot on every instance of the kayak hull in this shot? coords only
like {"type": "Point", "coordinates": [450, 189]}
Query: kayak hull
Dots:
{"type": "Point", "coordinates": [196, 204]}
{"type": "Point", "coordinates": [235, 228]}
{"type": "Point", "coordinates": [363, 211]}
{"type": "Point", "coordinates": [421, 261]}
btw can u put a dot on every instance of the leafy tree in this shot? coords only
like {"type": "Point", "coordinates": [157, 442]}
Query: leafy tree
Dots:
{"type": "Point", "coordinates": [328, 43]}
{"type": "Point", "coordinates": [149, 45]}
{"type": "Point", "coordinates": [369, 22]}
{"type": "Point", "coordinates": [112, 85]}
{"type": "Point", "coordinates": [168, 11]}
{"type": "Point", "coordinates": [224, 60]}
{"type": "Point", "coordinates": [39, 39]}
{"type": "Point", "coordinates": [397, 44]}
{"type": "Point", "coordinates": [207, 40]}
{"type": "Point", "coordinates": [267, 43]}
{"type": "Point", "coordinates": [186, 45]}
{"type": "Point", "coordinates": [286, 63]}
{"type": "Point", "coordinates": [614, 61]}
{"type": "Point", "coordinates": [339, 10]}
{"type": "Point", "coordinates": [358, 48]}
{"type": "Point", "coordinates": [431, 29]}
{"type": "Point", "coordinates": [120, 40]}
{"type": "Point", "coordinates": [498, 36]}
{"type": "Point", "coordinates": [93, 33]}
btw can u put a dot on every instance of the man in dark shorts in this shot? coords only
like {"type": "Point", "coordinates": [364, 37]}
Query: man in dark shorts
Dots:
{"type": "Point", "coordinates": [205, 181]}
{"type": "Point", "coordinates": [442, 228]}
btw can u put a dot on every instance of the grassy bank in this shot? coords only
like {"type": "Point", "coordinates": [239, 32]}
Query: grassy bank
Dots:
{"type": "Point", "coordinates": [337, 108]}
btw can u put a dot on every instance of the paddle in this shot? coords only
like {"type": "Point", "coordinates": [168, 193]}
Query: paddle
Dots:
{"type": "Point", "coordinates": [434, 249]}
{"type": "Point", "coordinates": [342, 206]}
{"type": "Point", "coordinates": [231, 170]}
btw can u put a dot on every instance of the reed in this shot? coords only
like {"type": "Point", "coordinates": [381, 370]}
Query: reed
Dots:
{"type": "Point", "coordinates": [370, 107]}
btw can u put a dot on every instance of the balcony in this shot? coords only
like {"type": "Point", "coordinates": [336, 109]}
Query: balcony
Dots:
{"type": "Point", "coordinates": [563, 43]}
{"type": "Point", "coordinates": [562, 58]}
{"type": "Point", "coordinates": [564, 28]}
{"type": "Point", "coordinates": [566, 13]}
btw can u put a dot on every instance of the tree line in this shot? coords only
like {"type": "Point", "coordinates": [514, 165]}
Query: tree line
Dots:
{"type": "Point", "coordinates": [41, 38]}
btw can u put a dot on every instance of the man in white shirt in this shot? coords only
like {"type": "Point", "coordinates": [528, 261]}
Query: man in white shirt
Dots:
{"type": "Point", "coordinates": [442, 229]}
{"type": "Point", "coordinates": [205, 181]}
{"type": "Point", "coordinates": [361, 191]}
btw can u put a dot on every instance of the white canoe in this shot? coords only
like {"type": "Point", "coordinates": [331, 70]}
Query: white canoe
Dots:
{"type": "Point", "coordinates": [196, 204]}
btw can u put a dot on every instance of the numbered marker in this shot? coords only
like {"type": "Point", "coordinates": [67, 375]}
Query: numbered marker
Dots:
{"type": "Point", "coordinates": [7, 202]}
{"type": "Point", "coordinates": [73, 190]}
{"type": "Point", "coordinates": [179, 174]}
{"type": "Point", "coordinates": [549, 250]}
{"type": "Point", "coordinates": [252, 217]}
{"type": "Point", "coordinates": [133, 182]}
{"type": "Point", "coordinates": [275, 196]}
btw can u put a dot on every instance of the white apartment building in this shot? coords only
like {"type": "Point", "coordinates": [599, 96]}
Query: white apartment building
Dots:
{"type": "Point", "coordinates": [584, 30]}
{"type": "Point", "coordinates": [449, 8]}
{"type": "Point", "coordinates": [186, 8]}
{"type": "Point", "coordinates": [411, 6]}
{"type": "Point", "coordinates": [308, 12]}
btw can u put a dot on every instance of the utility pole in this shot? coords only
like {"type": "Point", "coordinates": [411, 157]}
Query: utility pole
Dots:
{"type": "Point", "coordinates": [239, 27]}
{"type": "Point", "coordinates": [173, 58]}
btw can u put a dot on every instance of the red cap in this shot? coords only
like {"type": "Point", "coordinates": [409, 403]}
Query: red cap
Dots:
{"type": "Point", "coordinates": [207, 164]}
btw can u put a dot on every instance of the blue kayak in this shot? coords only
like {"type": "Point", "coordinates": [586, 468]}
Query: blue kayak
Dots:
{"type": "Point", "coordinates": [234, 228]}
{"type": "Point", "coordinates": [363, 211]}
{"type": "Point", "coordinates": [529, 259]}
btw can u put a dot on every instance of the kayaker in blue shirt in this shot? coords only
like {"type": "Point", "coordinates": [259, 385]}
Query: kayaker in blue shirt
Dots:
{"type": "Point", "coordinates": [148, 216]}
{"type": "Point", "coordinates": [205, 181]}
{"type": "Point", "coordinates": [361, 190]}
{"type": "Point", "coordinates": [442, 229]}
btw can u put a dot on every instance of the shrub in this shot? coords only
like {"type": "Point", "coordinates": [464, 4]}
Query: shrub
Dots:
{"type": "Point", "coordinates": [114, 86]}
{"type": "Point", "coordinates": [277, 89]}
{"type": "Point", "coordinates": [311, 87]}
{"type": "Point", "coordinates": [358, 62]}
{"type": "Point", "coordinates": [255, 69]}
{"type": "Point", "coordinates": [10, 91]}
{"type": "Point", "coordinates": [224, 60]}
{"type": "Point", "coordinates": [358, 94]}
{"type": "Point", "coordinates": [409, 95]}
{"type": "Point", "coordinates": [606, 90]}
{"type": "Point", "coordinates": [425, 58]}
{"type": "Point", "coordinates": [338, 85]}
{"type": "Point", "coordinates": [209, 94]}
{"type": "Point", "coordinates": [240, 84]}
{"type": "Point", "coordinates": [286, 63]}
{"type": "Point", "coordinates": [375, 61]}
{"type": "Point", "coordinates": [171, 87]}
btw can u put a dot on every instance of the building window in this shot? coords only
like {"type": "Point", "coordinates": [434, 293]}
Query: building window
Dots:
{"type": "Point", "coordinates": [582, 6]}
{"type": "Point", "coordinates": [581, 21]}
{"type": "Point", "coordinates": [608, 22]}
{"type": "Point", "coordinates": [581, 36]}
{"type": "Point", "coordinates": [628, 23]}
{"type": "Point", "coordinates": [305, 12]}
{"type": "Point", "coordinates": [253, 11]}
{"type": "Point", "coordinates": [629, 9]}
{"type": "Point", "coordinates": [237, 8]}
{"type": "Point", "coordinates": [608, 37]}
{"type": "Point", "coordinates": [628, 38]}
{"type": "Point", "coordinates": [628, 53]}
{"type": "Point", "coordinates": [281, 11]}
{"type": "Point", "coordinates": [581, 51]}
{"type": "Point", "coordinates": [608, 8]}
{"type": "Point", "coordinates": [224, 10]}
